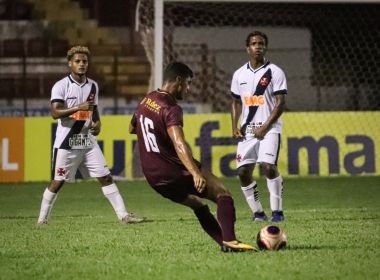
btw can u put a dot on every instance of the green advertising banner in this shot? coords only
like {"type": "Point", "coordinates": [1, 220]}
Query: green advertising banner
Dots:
{"type": "Point", "coordinates": [317, 143]}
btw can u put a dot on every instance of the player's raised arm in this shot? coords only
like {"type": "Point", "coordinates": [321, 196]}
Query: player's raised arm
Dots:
{"type": "Point", "coordinates": [184, 153]}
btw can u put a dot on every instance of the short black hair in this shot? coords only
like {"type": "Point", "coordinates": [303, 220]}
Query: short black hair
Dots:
{"type": "Point", "coordinates": [256, 33]}
{"type": "Point", "coordinates": [175, 69]}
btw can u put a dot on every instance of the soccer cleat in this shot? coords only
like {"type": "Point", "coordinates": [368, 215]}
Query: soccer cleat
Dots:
{"type": "Point", "coordinates": [132, 219]}
{"type": "Point", "coordinates": [236, 246]}
{"type": "Point", "coordinates": [278, 216]}
{"type": "Point", "coordinates": [43, 222]}
{"type": "Point", "coordinates": [259, 217]}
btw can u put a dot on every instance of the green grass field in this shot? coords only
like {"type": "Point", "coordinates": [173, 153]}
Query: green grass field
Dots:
{"type": "Point", "coordinates": [332, 225]}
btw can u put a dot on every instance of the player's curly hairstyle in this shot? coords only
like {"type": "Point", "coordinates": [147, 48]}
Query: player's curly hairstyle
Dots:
{"type": "Point", "coordinates": [77, 49]}
{"type": "Point", "coordinates": [256, 33]}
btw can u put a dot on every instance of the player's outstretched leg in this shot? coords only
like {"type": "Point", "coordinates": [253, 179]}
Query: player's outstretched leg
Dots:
{"type": "Point", "coordinates": [111, 192]}
{"type": "Point", "coordinates": [226, 217]}
{"type": "Point", "coordinates": [48, 199]}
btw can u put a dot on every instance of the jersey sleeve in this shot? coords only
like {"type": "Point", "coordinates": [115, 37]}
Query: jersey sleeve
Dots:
{"type": "Point", "coordinates": [279, 82]}
{"type": "Point", "coordinates": [173, 116]}
{"type": "Point", "coordinates": [96, 101]}
{"type": "Point", "coordinates": [57, 93]}
{"type": "Point", "coordinates": [235, 86]}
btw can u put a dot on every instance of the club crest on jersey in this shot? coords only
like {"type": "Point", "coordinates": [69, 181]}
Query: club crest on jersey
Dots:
{"type": "Point", "coordinates": [264, 81]}
{"type": "Point", "coordinates": [91, 97]}
{"type": "Point", "coordinates": [61, 171]}
{"type": "Point", "coordinates": [238, 157]}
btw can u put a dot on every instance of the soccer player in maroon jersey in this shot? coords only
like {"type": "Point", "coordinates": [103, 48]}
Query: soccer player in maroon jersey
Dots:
{"type": "Point", "coordinates": [169, 166]}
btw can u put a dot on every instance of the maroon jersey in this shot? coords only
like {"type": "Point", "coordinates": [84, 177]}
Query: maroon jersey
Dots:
{"type": "Point", "coordinates": [155, 113]}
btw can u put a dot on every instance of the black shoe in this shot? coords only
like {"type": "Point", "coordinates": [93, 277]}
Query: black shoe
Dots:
{"type": "Point", "coordinates": [259, 217]}
{"type": "Point", "coordinates": [278, 216]}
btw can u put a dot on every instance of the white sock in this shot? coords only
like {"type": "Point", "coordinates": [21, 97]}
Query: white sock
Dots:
{"type": "Point", "coordinates": [113, 195]}
{"type": "Point", "coordinates": [48, 199]}
{"type": "Point", "coordinates": [251, 194]}
{"type": "Point", "coordinates": [275, 190]}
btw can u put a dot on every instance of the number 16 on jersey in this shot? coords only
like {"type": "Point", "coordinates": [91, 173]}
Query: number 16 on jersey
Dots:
{"type": "Point", "coordinates": [147, 128]}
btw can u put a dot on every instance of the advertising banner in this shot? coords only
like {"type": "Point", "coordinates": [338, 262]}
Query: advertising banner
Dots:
{"type": "Point", "coordinates": [11, 149]}
{"type": "Point", "coordinates": [315, 143]}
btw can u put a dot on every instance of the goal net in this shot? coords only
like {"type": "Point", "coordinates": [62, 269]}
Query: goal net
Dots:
{"type": "Point", "coordinates": [329, 51]}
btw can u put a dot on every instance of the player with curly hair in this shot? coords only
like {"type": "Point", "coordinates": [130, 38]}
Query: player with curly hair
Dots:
{"type": "Point", "coordinates": [74, 101]}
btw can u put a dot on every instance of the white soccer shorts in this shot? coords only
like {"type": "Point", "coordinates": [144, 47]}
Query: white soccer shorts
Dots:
{"type": "Point", "coordinates": [90, 162]}
{"type": "Point", "coordinates": [256, 151]}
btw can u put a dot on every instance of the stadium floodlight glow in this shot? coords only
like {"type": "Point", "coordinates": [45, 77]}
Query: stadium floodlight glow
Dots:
{"type": "Point", "coordinates": [159, 25]}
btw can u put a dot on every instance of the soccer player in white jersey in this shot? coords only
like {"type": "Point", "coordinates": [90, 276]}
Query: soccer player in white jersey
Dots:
{"type": "Point", "coordinates": [74, 102]}
{"type": "Point", "coordinates": [258, 89]}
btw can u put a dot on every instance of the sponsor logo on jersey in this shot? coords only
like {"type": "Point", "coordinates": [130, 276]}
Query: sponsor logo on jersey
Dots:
{"type": "Point", "coordinates": [81, 115]}
{"type": "Point", "coordinates": [151, 105]}
{"type": "Point", "coordinates": [255, 100]}
{"type": "Point", "coordinates": [80, 141]}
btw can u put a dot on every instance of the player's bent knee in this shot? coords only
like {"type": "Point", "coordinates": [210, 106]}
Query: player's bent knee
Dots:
{"type": "Point", "coordinates": [106, 180]}
{"type": "Point", "coordinates": [55, 186]}
{"type": "Point", "coordinates": [244, 172]}
{"type": "Point", "coordinates": [271, 171]}
{"type": "Point", "coordinates": [223, 193]}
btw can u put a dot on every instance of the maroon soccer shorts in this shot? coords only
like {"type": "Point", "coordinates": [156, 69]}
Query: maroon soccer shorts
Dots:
{"type": "Point", "coordinates": [179, 189]}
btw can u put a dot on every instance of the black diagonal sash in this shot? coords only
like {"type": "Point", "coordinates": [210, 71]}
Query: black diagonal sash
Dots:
{"type": "Point", "coordinates": [260, 90]}
{"type": "Point", "coordinates": [78, 125]}
{"type": "Point", "coordinates": [91, 96]}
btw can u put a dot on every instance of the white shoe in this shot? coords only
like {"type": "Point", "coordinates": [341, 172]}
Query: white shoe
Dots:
{"type": "Point", "coordinates": [43, 222]}
{"type": "Point", "coordinates": [132, 219]}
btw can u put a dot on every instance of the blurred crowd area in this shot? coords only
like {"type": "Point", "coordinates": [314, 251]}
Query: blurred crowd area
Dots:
{"type": "Point", "coordinates": [329, 51]}
{"type": "Point", "coordinates": [35, 37]}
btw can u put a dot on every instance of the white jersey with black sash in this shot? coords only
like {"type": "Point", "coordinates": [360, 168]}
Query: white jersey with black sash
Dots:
{"type": "Point", "coordinates": [257, 89]}
{"type": "Point", "coordinates": [73, 131]}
